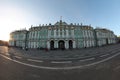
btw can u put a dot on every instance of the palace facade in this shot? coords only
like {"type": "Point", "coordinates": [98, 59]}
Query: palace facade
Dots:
{"type": "Point", "coordinates": [62, 36]}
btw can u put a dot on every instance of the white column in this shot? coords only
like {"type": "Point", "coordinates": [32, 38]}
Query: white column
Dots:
{"type": "Point", "coordinates": [62, 33]}
{"type": "Point", "coordinates": [74, 44]}
{"type": "Point", "coordinates": [87, 43]}
{"type": "Point", "coordinates": [59, 33]}
{"type": "Point", "coordinates": [34, 44]}
{"type": "Point", "coordinates": [90, 43]}
{"type": "Point", "coordinates": [84, 43]}
{"type": "Point", "coordinates": [72, 32]}
{"type": "Point", "coordinates": [48, 44]}
{"type": "Point", "coordinates": [49, 33]}
{"type": "Point", "coordinates": [67, 33]}
{"type": "Point", "coordinates": [31, 45]}
{"type": "Point", "coordinates": [54, 33]}
{"type": "Point", "coordinates": [32, 34]}
{"type": "Point", "coordinates": [37, 35]}
{"type": "Point", "coordinates": [66, 45]}
{"type": "Point", "coordinates": [29, 35]}
{"type": "Point", "coordinates": [55, 44]}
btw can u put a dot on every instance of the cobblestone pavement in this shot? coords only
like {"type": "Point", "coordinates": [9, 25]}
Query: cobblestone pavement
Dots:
{"type": "Point", "coordinates": [63, 54]}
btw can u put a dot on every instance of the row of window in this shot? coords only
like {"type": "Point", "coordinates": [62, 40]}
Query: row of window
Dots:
{"type": "Point", "coordinates": [99, 34]}
{"type": "Point", "coordinates": [18, 36]}
{"type": "Point", "coordinates": [38, 34]}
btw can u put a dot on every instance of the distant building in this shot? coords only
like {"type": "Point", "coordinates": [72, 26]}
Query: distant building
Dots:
{"type": "Point", "coordinates": [18, 38]}
{"type": "Point", "coordinates": [61, 36]}
{"type": "Point", "coordinates": [3, 43]}
{"type": "Point", "coordinates": [104, 37]}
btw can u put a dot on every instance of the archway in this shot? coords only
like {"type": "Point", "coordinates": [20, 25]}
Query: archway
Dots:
{"type": "Point", "coordinates": [14, 43]}
{"type": "Point", "coordinates": [70, 44]}
{"type": "Point", "coordinates": [51, 45]}
{"type": "Point", "coordinates": [61, 44]}
{"type": "Point", "coordinates": [107, 41]}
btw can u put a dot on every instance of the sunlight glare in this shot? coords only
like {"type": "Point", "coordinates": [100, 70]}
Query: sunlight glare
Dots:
{"type": "Point", "coordinates": [10, 19]}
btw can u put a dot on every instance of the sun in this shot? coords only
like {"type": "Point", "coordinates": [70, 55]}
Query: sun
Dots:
{"type": "Point", "coordinates": [10, 19]}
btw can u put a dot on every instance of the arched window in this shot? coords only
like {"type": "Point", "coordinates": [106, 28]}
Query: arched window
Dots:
{"type": "Point", "coordinates": [70, 44]}
{"type": "Point", "coordinates": [51, 45]}
{"type": "Point", "coordinates": [61, 44]}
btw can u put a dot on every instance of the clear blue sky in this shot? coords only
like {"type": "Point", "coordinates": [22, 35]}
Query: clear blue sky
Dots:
{"type": "Point", "coordinates": [18, 14]}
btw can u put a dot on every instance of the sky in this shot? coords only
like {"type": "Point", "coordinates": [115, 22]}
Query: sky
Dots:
{"type": "Point", "coordinates": [21, 14]}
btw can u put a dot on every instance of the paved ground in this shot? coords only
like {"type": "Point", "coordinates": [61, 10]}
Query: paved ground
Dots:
{"type": "Point", "coordinates": [108, 70]}
{"type": "Point", "coordinates": [64, 54]}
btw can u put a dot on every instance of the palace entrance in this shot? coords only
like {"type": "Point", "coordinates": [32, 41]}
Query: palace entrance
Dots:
{"type": "Point", "coordinates": [51, 45]}
{"type": "Point", "coordinates": [70, 44]}
{"type": "Point", "coordinates": [61, 44]}
{"type": "Point", "coordinates": [107, 41]}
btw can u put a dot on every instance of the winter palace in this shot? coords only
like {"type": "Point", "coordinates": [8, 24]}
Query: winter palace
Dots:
{"type": "Point", "coordinates": [62, 36]}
